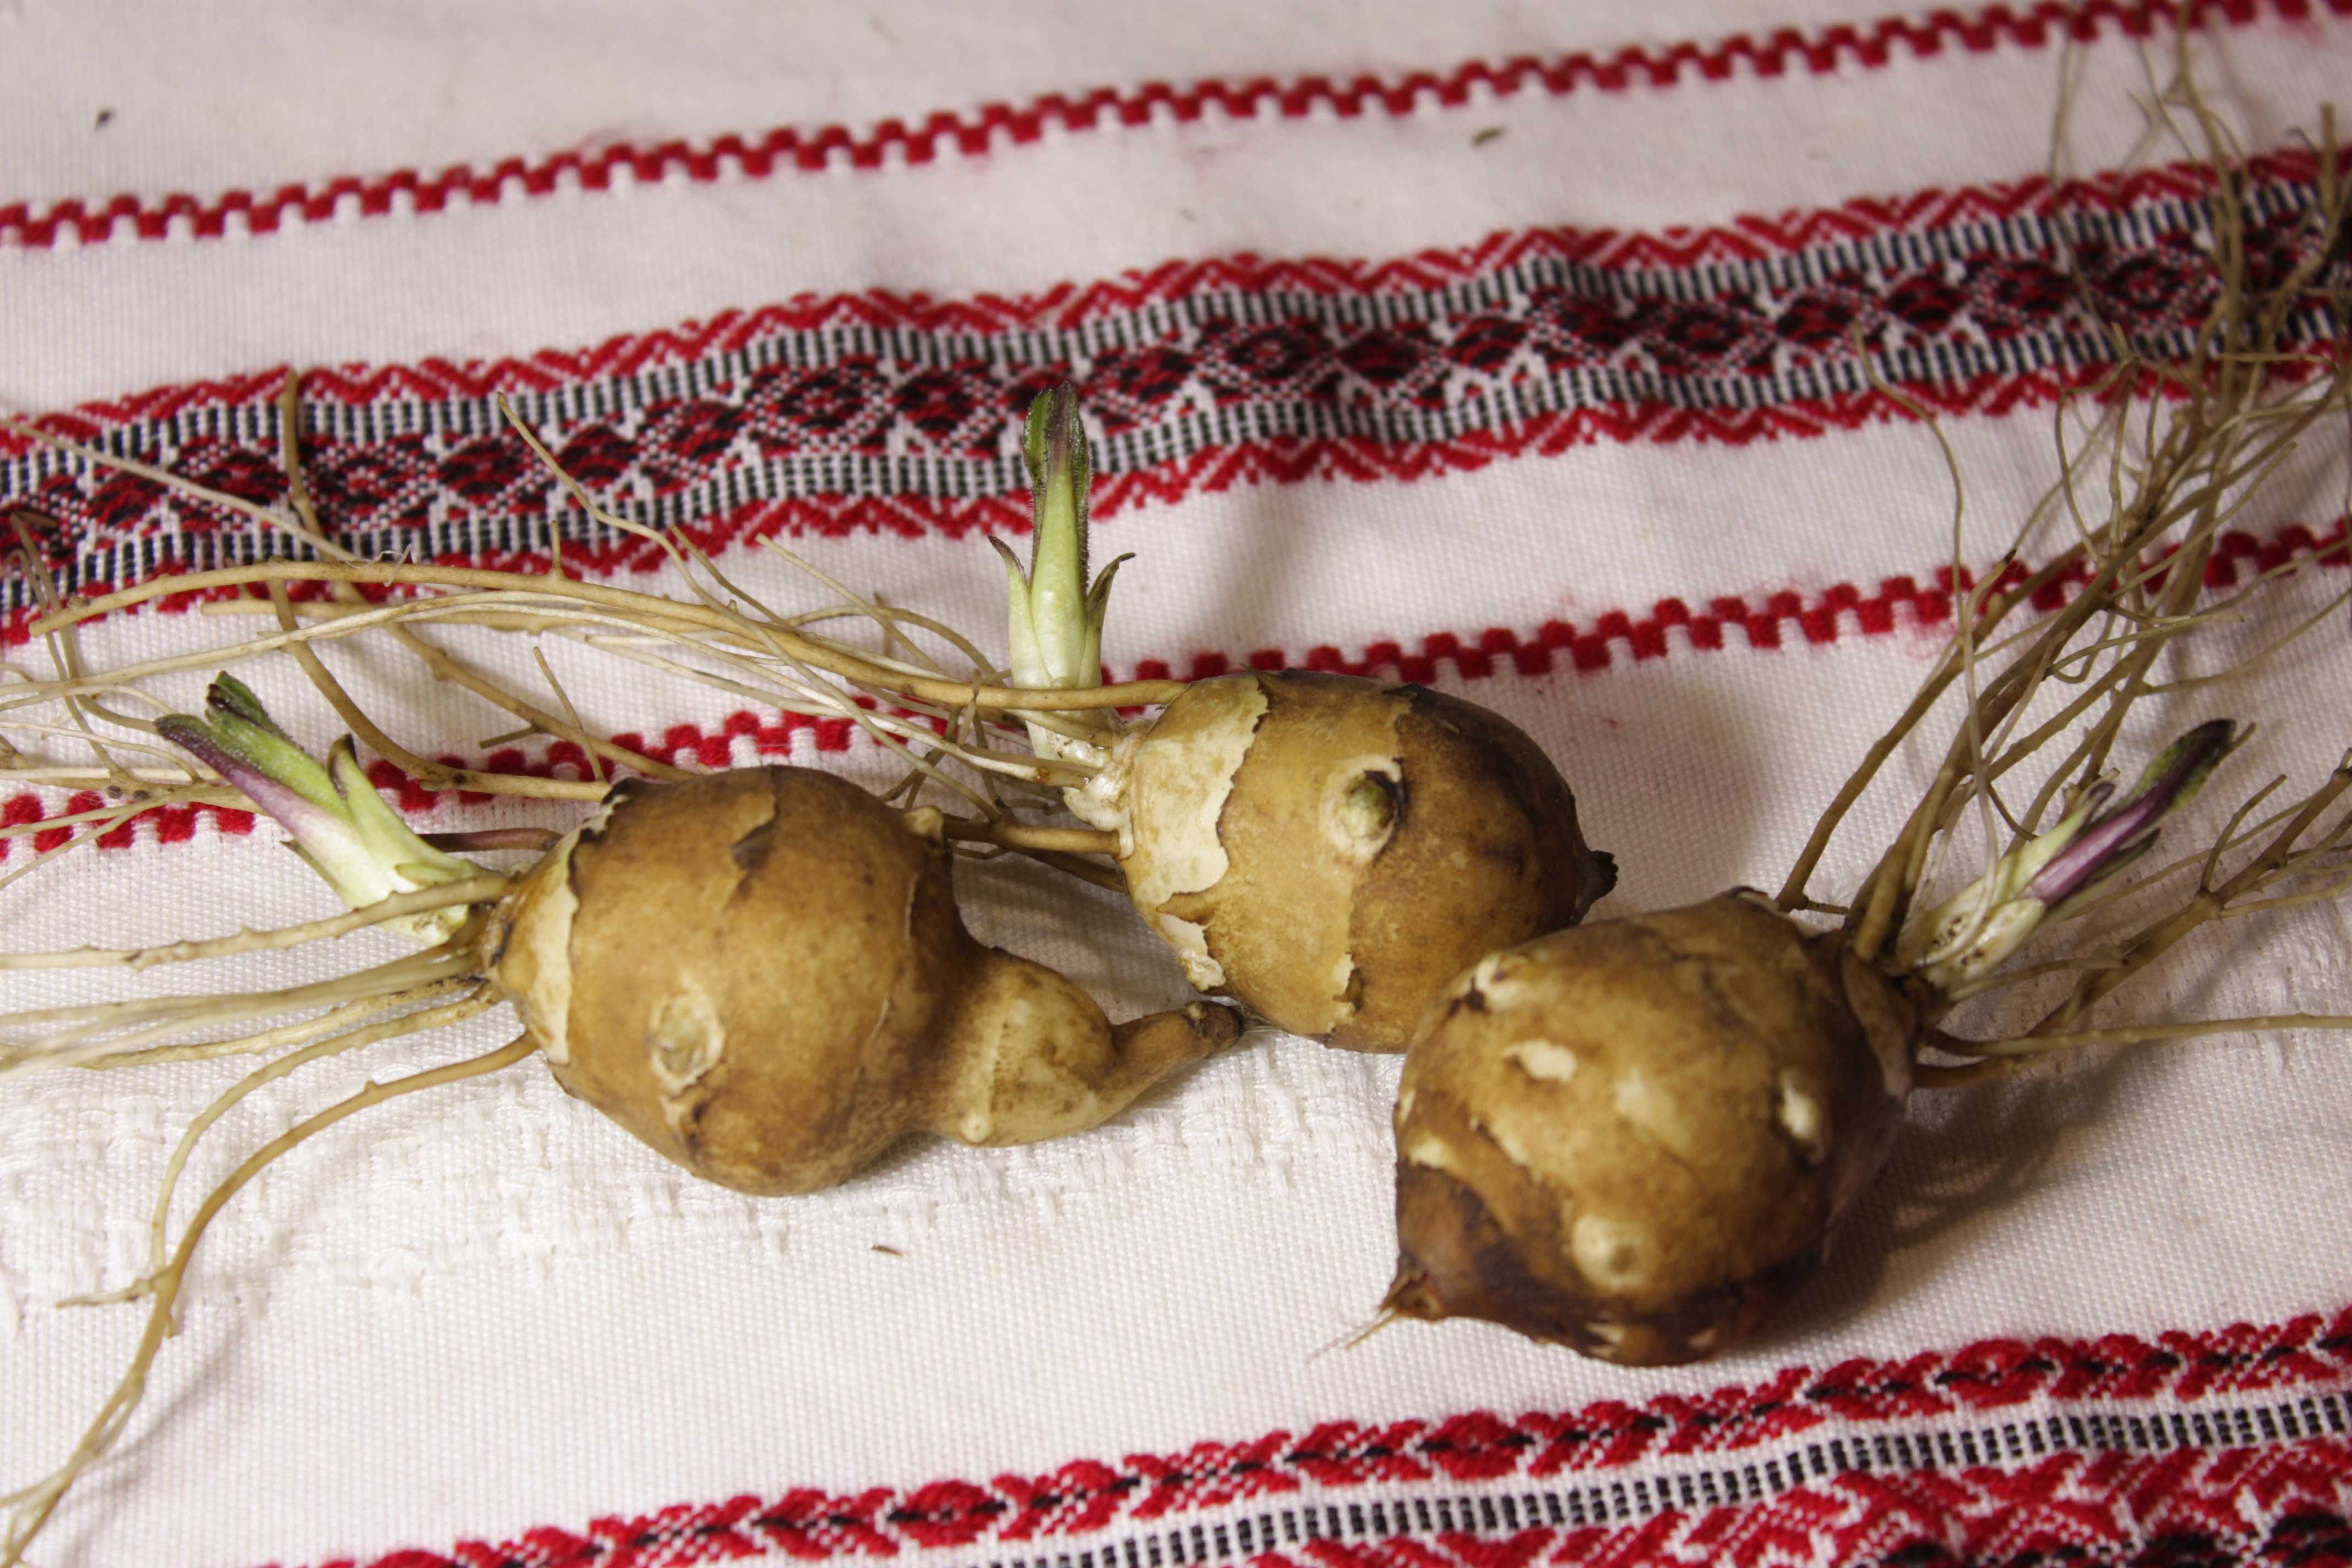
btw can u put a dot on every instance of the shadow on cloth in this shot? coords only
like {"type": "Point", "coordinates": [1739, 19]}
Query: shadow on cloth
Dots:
{"type": "Point", "coordinates": [1976, 1152]}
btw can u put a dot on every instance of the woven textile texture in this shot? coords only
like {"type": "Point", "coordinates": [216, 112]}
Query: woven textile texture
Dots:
{"type": "Point", "coordinates": [1566, 359]}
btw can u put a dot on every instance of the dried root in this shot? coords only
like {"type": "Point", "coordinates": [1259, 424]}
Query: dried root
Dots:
{"type": "Point", "coordinates": [1638, 1138]}
{"type": "Point", "coordinates": [761, 974]}
{"type": "Point", "coordinates": [30, 1509]}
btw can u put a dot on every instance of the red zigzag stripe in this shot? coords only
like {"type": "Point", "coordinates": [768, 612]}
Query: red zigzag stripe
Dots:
{"type": "Point", "coordinates": [1219, 468]}
{"type": "Point", "coordinates": [1070, 304]}
{"type": "Point", "coordinates": [1209, 469]}
{"type": "Point", "coordinates": [1972, 1514]}
{"type": "Point", "coordinates": [1828, 618]}
{"type": "Point", "coordinates": [975, 133]}
{"type": "Point", "coordinates": [2190, 1507]}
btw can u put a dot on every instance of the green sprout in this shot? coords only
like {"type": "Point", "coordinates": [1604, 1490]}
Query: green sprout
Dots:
{"type": "Point", "coordinates": [1055, 626]}
{"type": "Point", "coordinates": [1972, 932]}
{"type": "Point", "coordinates": [342, 828]}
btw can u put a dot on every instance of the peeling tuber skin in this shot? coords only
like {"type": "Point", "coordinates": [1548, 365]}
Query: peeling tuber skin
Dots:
{"type": "Point", "coordinates": [1331, 850]}
{"type": "Point", "coordinates": [763, 975]}
{"type": "Point", "coordinates": [1327, 850]}
{"type": "Point", "coordinates": [1638, 1138]}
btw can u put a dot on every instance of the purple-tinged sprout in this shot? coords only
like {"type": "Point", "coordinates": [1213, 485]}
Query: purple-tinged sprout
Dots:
{"type": "Point", "coordinates": [239, 742]}
{"type": "Point", "coordinates": [1969, 935]}
{"type": "Point", "coordinates": [1982, 923]}
{"type": "Point", "coordinates": [2123, 835]}
{"type": "Point", "coordinates": [341, 827]}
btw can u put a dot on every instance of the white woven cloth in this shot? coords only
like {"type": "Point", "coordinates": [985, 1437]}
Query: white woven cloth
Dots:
{"type": "Point", "coordinates": [482, 1325]}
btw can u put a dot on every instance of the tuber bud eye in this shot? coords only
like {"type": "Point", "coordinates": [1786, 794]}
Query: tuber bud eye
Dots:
{"type": "Point", "coordinates": [1369, 809]}
{"type": "Point", "coordinates": [1363, 799]}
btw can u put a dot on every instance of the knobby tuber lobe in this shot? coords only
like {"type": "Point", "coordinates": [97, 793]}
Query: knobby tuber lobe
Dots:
{"type": "Point", "coordinates": [763, 975]}
{"type": "Point", "coordinates": [1637, 1137]}
{"type": "Point", "coordinates": [1331, 850]}
{"type": "Point", "coordinates": [760, 973]}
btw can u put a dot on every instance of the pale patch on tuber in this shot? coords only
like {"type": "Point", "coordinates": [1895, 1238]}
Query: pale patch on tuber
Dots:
{"type": "Point", "coordinates": [1546, 1061]}
{"type": "Point", "coordinates": [1178, 779]}
{"type": "Point", "coordinates": [1801, 1117]}
{"type": "Point", "coordinates": [1652, 1129]}
{"type": "Point", "coordinates": [537, 963]}
{"type": "Point", "coordinates": [1612, 1252]}
{"type": "Point", "coordinates": [1367, 842]}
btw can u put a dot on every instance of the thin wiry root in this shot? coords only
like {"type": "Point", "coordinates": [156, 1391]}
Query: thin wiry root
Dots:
{"type": "Point", "coordinates": [778, 657]}
{"type": "Point", "coordinates": [76, 1045]}
{"type": "Point", "coordinates": [323, 1036]}
{"type": "Point", "coordinates": [171, 481]}
{"type": "Point", "coordinates": [447, 895]}
{"type": "Point", "coordinates": [279, 1037]}
{"type": "Point", "coordinates": [816, 700]}
{"type": "Point", "coordinates": [445, 667]}
{"type": "Point", "coordinates": [63, 652]}
{"type": "Point", "coordinates": [479, 999]}
{"type": "Point", "coordinates": [547, 672]}
{"type": "Point", "coordinates": [31, 1508]}
{"type": "Point", "coordinates": [775, 633]}
{"type": "Point", "coordinates": [502, 590]}
{"type": "Point", "coordinates": [427, 772]}
{"type": "Point", "coordinates": [1966, 605]}
{"type": "Point", "coordinates": [662, 631]}
{"type": "Point", "coordinates": [893, 621]}
{"type": "Point", "coordinates": [105, 823]}
{"type": "Point", "coordinates": [773, 675]}
{"type": "Point", "coordinates": [1350, 1339]}
{"type": "Point", "coordinates": [2236, 420]}
{"type": "Point", "coordinates": [138, 748]}
{"type": "Point", "coordinates": [2006, 1059]}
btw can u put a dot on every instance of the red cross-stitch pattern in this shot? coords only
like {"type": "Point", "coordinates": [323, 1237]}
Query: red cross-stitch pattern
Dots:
{"type": "Point", "coordinates": [2272, 1499]}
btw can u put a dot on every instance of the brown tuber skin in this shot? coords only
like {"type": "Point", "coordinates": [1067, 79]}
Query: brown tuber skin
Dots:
{"type": "Point", "coordinates": [1636, 1139]}
{"type": "Point", "coordinates": [1331, 850]}
{"type": "Point", "coordinates": [763, 975]}
{"type": "Point", "coordinates": [760, 973]}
